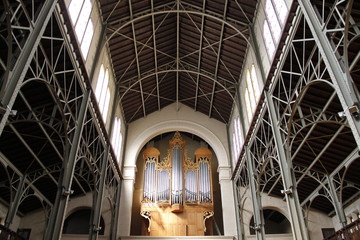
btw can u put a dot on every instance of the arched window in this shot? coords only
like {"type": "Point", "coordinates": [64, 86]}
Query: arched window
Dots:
{"type": "Point", "coordinates": [102, 91]}
{"type": "Point", "coordinates": [84, 28]}
{"type": "Point", "coordinates": [275, 223]}
{"type": "Point", "coordinates": [237, 139]}
{"type": "Point", "coordinates": [79, 223]}
{"type": "Point", "coordinates": [252, 92]}
{"type": "Point", "coordinates": [275, 12]}
{"type": "Point", "coordinates": [116, 139]}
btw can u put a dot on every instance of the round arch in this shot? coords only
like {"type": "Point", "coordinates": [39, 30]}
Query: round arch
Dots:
{"type": "Point", "coordinates": [178, 125]}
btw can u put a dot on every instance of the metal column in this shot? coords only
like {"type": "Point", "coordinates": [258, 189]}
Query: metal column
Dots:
{"type": "Point", "coordinates": [22, 64]}
{"type": "Point", "coordinates": [342, 82]}
{"type": "Point", "coordinates": [56, 221]}
{"type": "Point", "coordinates": [298, 226]}
{"type": "Point", "coordinates": [15, 204]}
{"type": "Point", "coordinates": [337, 204]}
{"type": "Point", "coordinates": [255, 198]}
{"type": "Point", "coordinates": [115, 215]}
{"type": "Point", "coordinates": [96, 214]}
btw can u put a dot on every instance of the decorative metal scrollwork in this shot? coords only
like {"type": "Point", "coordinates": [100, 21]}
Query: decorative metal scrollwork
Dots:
{"type": "Point", "coordinates": [207, 215]}
{"type": "Point", "coordinates": [147, 215]}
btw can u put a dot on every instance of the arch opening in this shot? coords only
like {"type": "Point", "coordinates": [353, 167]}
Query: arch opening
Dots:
{"type": "Point", "coordinates": [275, 223]}
{"type": "Point", "coordinates": [79, 222]}
{"type": "Point", "coordinates": [179, 211]}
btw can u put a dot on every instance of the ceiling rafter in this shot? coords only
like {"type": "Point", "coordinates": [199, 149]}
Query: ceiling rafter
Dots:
{"type": "Point", "coordinates": [168, 65]}
{"type": "Point", "coordinates": [218, 57]}
{"type": "Point", "coordinates": [212, 45]}
{"type": "Point", "coordinates": [146, 43]}
{"type": "Point", "coordinates": [155, 55]}
{"type": "Point", "coordinates": [178, 70]}
{"type": "Point", "coordinates": [208, 46]}
{"type": "Point", "coordinates": [177, 51]}
{"type": "Point", "coordinates": [137, 58]}
{"type": "Point", "coordinates": [229, 19]}
{"type": "Point", "coordinates": [185, 47]}
{"type": "Point", "coordinates": [168, 5]}
{"type": "Point", "coordinates": [242, 32]}
{"type": "Point", "coordinates": [200, 54]}
{"type": "Point", "coordinates": [206, 95]}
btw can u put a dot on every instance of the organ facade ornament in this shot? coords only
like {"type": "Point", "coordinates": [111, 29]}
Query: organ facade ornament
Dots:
{"type": "Point", "coordinates": [177, 190]}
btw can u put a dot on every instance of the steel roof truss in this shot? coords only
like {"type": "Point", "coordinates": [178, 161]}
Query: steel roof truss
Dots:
{"type": "Point", "coordinates": [137, 58]}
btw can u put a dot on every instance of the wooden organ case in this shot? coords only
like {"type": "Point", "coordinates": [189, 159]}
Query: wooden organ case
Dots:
{"type": "Point", "coordinates": [177, 195]}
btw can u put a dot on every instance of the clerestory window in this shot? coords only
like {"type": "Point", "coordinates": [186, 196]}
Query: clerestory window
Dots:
{"type": "Point", "coordinates": [252, 92]}
{"type": "Point", "coordinates": [237, 140]}
{"type": "Point", "coordinates": [275, 12]}
{"type": "Point", "coordinates": [84, 28]}
{"type": "Point", "coordinates": [102, 91]}
{"type": "Point", "coordinates": [116, 139]}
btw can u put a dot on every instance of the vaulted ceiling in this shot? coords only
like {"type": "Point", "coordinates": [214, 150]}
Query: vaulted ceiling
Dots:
{"type": "Point", "coordinates": [183, 52]}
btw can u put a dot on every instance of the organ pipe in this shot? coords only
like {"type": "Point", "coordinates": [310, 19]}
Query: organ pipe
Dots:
{"type": "Point", "coordinates": [174, 181]}
{"type": "Point", "coordinates": [164, 181]}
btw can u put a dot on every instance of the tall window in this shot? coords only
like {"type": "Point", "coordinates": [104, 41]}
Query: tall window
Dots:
{"type": "Point", "coordinates": [237, 140]}
{"type": "Point", "coordinates": [252, 91]}
{"type": "Point", "coordinates": [275, 12]}
{"type": "Point", "coordinates": [117, 137]}
{"type": "Point", "coordinates": [102, 91]}
{"type": "Point", "coordinates": [84, 29]}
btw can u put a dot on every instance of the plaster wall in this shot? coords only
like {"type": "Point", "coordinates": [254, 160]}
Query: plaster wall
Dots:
{"type": "Point", "coordinates": [181, 118]}
{"type": "Point", "coordinates": [315, 220]}
{"type": "Point", "coordinates": [351, 212]}
{"type": "Point", "coordinates": [3, 212]}
{"type": "Point", "coordinates": [37, 223]}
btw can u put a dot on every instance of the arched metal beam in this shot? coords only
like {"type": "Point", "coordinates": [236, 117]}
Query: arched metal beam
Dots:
{"type": "Point", "coordinates": [176, 71]}
{"type": "Point", "coordinates": [175, 12]}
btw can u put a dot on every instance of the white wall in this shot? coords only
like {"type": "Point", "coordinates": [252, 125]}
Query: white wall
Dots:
{"type": "Point", "coordinates": [351, 210]}
{"type": "Point", "coordinates": [3, 212]}
{"type": "Point", "coordinates": [187, 120]}
{"type": "Point", "coordinates": [316, 220]}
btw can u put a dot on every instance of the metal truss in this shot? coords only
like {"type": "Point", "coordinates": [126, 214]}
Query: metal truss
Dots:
{"type": "Point", "coordinates": [64, 118]}
{"type": "Point", "coordinates": [305, 114]}
{"type": "Point", "coordinates": [176, 8]}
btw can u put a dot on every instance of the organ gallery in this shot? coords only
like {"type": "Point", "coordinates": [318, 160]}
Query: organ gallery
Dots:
{"type": "Point", "coordinates": [177, 198]}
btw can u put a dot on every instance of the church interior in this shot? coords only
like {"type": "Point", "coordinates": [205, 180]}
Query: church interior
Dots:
{"type": "Point", "coordinates": [179, 119]}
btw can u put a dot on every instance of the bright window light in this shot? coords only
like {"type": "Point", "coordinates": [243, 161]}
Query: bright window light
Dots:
{"type": "Point", "coordinates": [248, 105]}
{"type": "Point", "coordinates": [83, 19]}
{"type": "Point", "coordinates": [269, 43]}
{"type": "Point", "coordinates": [74, 10]}
{"type": "Point", "coordinates": [273, 21]}
{"type": "Point", "coordinates": [275, 12]}
{"type": "Point", "coordinates": [281, 10]}
{"type": "Point", "coordinates": [80, 16]}
{"type": "Point", "coordinates": [116, 139]}
{"type": "Point", "coordinates": [252, 91]}
{"type": "Point", "coordinates": [102, 91]}
{"type": "Point", "coordinates": [85, 43]}
{"type": "Point", "coordinates": [254, 82]}
{"type": "Point", "coordinates": [237, 139]}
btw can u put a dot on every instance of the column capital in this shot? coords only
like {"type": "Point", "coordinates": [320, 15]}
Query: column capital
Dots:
{"type": "Point", "coordinates": [224, 172]}
{"type": "Point", "coordinates": [129, 172]}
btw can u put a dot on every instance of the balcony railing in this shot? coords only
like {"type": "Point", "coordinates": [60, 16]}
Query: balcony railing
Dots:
{"type": "Point", "coordinates": [7, 234]}
{"type": "Point", "coordinates": [349, 232]}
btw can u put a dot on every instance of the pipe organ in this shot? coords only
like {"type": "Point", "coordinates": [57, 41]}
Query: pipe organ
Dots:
{"type": "Point", "coordinates": [177, 190]}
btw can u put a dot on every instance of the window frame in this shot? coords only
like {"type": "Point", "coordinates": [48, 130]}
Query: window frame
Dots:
{"type": "Point", "coordinates": [102, 91]}
{"type": "Point", "coordinates": [116, 139]}
{"type": "Point", "coordinates": [270, 37]}
{"type": "Point", "coordinates": [252, 91]}
{"type": "Point", "coordinates": [78, 17]}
